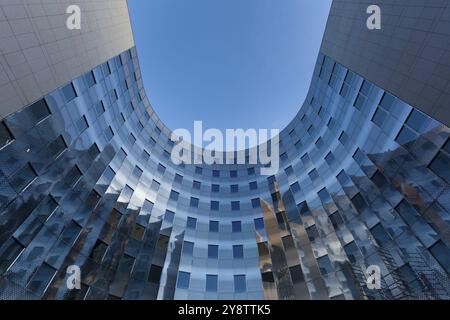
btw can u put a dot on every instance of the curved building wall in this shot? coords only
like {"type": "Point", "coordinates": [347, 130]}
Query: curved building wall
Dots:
{"type": "Point", "coordinates": [87, 180]}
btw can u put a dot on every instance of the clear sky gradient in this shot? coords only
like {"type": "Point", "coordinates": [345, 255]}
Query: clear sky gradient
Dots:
{"type": "Point", "coordinates": [230, 63]}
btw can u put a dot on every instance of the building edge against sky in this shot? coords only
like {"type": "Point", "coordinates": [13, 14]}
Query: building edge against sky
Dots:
{"type": "Point", "coordinates": [87, 180]}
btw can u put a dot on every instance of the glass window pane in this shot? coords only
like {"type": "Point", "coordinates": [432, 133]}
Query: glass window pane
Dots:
{"type": "Point", "coordinates": [90, 79]}
{"type": "Point", "coordinates": [11, 250]}
{"type": "Point", "coordinates": [38, 110]}
{"type": "Point", "coordinates": [41, 279]}
{"type": "Point", "coordinates": [238, 251]}
{"type": "Point", "coordinates": [214, 226]}
{"type": "Point", "coordinates": [211, 283]}
{"type": "Point", "coordinates": [5, 135]}
{"type": "Point", "coordinates": [417, 121]}
{"type": "Point", "coordinates": [213, 251]}
{"type": "Point", "coordinates": [236, 226]}
{"type": "Point", "coordinates": [22, 178]}
{"type": "Point", "coordinates": [259, 223]}
{"type": "Point", "coordinates": [441, 166]}
{"type": "Point", "coordinates": [379, 117]}
{"type": "Point", "coordinates": [191, 223]}
{"type": "Point", "coordinates": [380, 235]}
{"type": "Point", "coordinates": [215, 205]}
{"type": "Point", "coordinates": [240, 283]}
{"type": "Point", "coordinates": [188, 248]}
{"type": "Point", "coordinates": [441, 253]}
{"type": "Point", "coordinates": [69, 92]}
{"type": "Point", "coordinates": [169, 216]}
{"type": "Point", "coordinates": [387, 101]}
{"type": "Point", "coordinates": [155, 274]}
{"type": "Point", "coordinates": [406, 135]}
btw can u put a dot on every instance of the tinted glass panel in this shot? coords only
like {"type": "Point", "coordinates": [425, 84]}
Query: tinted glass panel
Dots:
{"type": "Point", "coordinates": [22, 178]}
{"type": "Point", "coordinates": [69, 92]}
{"type": "Point", "coordinates": [240, 283]}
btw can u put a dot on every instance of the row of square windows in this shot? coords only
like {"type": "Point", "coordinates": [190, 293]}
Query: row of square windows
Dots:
{"type": "Point", "coordinates": [212, 281]}
{"type": "Point", "coordinates": [213, 250]}
{"type": "Point", "coordinates": [191, 223]}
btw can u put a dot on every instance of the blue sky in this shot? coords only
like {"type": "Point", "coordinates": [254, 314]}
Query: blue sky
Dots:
{"type": "Point", "coordinates": [230, 63]}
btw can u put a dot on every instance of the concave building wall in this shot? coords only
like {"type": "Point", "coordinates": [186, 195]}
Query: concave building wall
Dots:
{"type": "Point", "coordinates": [87, 180]}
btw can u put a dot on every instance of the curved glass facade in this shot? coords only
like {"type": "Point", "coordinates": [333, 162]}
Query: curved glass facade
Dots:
{"type": "Point", "coordinates": [87, 180]}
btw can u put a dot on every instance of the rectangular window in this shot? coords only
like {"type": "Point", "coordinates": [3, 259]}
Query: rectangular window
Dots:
{"type": "Point", "coordinates": [240, 283]}
{"type": "Point", "coordinates": [314, 175]}
{"type": "Point", "coordinates": [233, 174]}
{"type": "Point", "coordinates": [325, 265]}
{"type": "Point", "coordinates": [5, 135]}
{"type": "Point", "coordinates": [251, 171]}
{"type": "Point", "coordinates": [183, 280]}
{"type": "Point", "coordinates": [256, 203]}
{"type": "Point", "coordinates": [289, 171]}
{"type": "Point", "coordinates": [137, 172]}
{"type": "Point", "coordinates": [211, 282]}
{"type": "Point", "coordinates": [169, 216]}
{"type": "Point", "coordinates": [379, 117]}
{"type": "Point", "coordinates": [38, 111]}
{"type": "Point", "coordinates": [109, 133]}
{"type": "Point", "coordinates": [99, 108]}
{"type": "Point", "coordinates": [90, 79]}
{"type": "Point", "coordinates": [188, 248]}
{"type": "Point", "coordinates": [12, 250]}
{"type": "Point", "coordinates": [155, 185]}
{"type": "Point", "coordinates": [69, 92]}
{"type": "Point", "coordinates": [98, 251]}
{"type": "Point", "coordinates": [359, 102]}
{"type": "Point", "coordinates": [336, 220]}
{"type": "Point", "coordinates": [238, 251]}
{"type": "Point", "coordinates": [216, 173]}
{"type": "Point", "coordinates": [330, 158]}
{"type": "Point", "coordinates": [295, 187]}
{"type": "Point", "coordinates": [352, 251]}
{"type": "Point", "coordinates": [194, 202]}
{"type": "Point", "coordinates": [155, 274]}
{"type": "Point", "coordinates": [407, 212]}
{"type": "Point", "coordinates": [253, 185]}
{"type": "Point", "coordinates": [138, 232]}
{"type": "Point", "coordinates": [41, 279]}
{"type": "Point", "coordinates": [23, 178]}
{"type": "Point", "coordinates": [441, 252]}
{"type": "Point", "coordinates": [198, 170]}
{"type": "Point", "coordinates": [57, 147]}
{"type": "Point", "coordinates": [213, 251]}
{"type": "Point", "coordinates": [234, 188]}
{"type": "Point", "coordinates": [82, 124]}
{"type": "Point", "coordinates": [235, 205]}
{"type": "Point", "coordinates": [380, 235]}
{"type": "Point", "coordinates": [213, 226]}
{"type": "Point", "coordinates": [214, 205]}
{"type": "Point", "coordinates": [236, 226]}
{"type": "Point", "coordinates": [359, 202]}
{"type": "Point", "coordinates": [174, 195]}
{"type": "Point", "coordinates": [312, 232]}
{"type": "Point", "coordinates": [178, 178]}
{"type": "Point", "coordinates": [441, 166]}
{"type": "Point", "coordinates": [106, 69]}
{"type": "Point", "coordinates": [259, 223]}
{"type": "Point", "coordinates": [406, 135]}
{"type": "Point", "coordinates": [387, 101]}
{"type": "Point", "coordinates": [215, 188]}
{"type": "Point", "coordinates": [196, 185]}
{"type": "Point", "coordinates": [191, 223]}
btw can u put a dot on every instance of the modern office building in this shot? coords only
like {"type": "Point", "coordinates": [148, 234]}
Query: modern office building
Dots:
{"type": "Point", "coordinates": [86, 177]}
